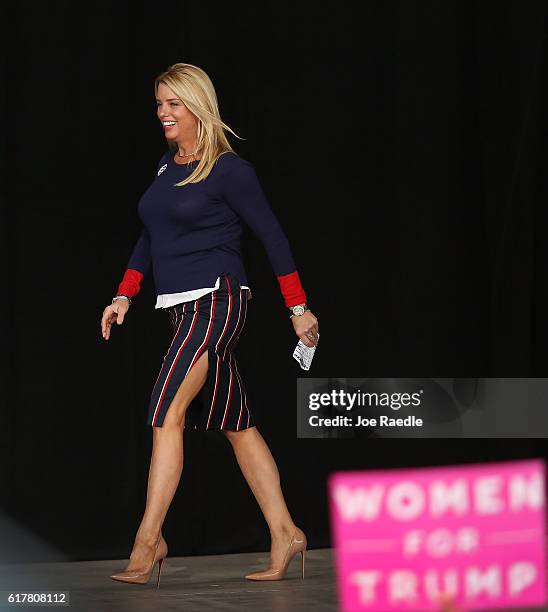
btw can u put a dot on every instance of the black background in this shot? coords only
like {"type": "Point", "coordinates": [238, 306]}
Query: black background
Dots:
{"type": "Point", "coordinates": [403, 150]}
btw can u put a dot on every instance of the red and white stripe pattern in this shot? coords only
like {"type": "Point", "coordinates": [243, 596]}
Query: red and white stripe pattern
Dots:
{"type": "Point", "coordinates": [218, 364]}
{"type": "Point", "coordinates": [235, 332]}
{"type": "Point", "coordinates": [216, 322]}
{"type": "Point", "coordinates": [173, 364]}
{"type": "Point", "coordinates": [243, 397]}
{"type": "Point", "coordinates": [175, 335]}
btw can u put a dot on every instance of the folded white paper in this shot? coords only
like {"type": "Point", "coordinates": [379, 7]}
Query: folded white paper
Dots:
{"type": "Point", "coordinates": [304, 354]}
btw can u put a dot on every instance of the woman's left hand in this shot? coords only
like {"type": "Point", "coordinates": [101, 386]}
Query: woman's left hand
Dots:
{"type": "Point", "coordinates": [306, 327]}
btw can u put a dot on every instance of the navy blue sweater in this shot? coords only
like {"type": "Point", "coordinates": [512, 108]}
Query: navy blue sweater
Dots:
{"type": "Point", "coordinates": [192, 233]}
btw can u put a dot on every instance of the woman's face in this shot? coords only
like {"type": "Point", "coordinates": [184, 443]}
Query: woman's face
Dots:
{"type": "Point", "coordinates": [171, 109]}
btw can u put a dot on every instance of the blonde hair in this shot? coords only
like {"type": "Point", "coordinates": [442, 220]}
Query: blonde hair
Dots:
{"type": "Point", "coordinates": [195, 89]}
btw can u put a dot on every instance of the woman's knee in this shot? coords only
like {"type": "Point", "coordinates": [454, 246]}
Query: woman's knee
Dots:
{"type": "Point", "coordinates": [242, 434]}
{"type": "Point", "coordinates": [174, 420]}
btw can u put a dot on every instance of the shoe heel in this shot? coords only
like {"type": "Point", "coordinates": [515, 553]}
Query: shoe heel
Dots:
{"type": "Point", "coordinates": [160, 562]}
{"type": "Point", "coordinates": [302, 561]}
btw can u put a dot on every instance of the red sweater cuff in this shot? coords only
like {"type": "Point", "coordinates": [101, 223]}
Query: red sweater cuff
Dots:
{"type": "Point", "coordinates": [131, 283]}
{"type": "Point", "coordinates": [291, 289]}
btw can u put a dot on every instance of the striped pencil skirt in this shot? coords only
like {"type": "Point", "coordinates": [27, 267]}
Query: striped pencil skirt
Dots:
{"type": "Point", "coordinates": [212, 323]}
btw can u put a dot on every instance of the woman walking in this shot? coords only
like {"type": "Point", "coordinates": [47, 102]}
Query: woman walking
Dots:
{"type": "Point", "coordinates": [192, 217]}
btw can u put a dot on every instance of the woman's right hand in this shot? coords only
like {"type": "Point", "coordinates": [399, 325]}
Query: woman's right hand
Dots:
{"type": "Point", "coordinates": [115, 311]}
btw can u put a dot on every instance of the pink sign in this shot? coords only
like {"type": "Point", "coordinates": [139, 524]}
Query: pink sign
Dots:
{"type": "Point", "coordinates": [403, 538]}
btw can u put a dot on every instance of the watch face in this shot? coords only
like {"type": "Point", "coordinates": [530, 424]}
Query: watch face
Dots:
{"type": "Point", "coordinates": [298, 310]}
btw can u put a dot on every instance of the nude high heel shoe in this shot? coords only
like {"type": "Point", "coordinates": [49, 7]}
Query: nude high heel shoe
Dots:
{"type": "Point", "coordinates": [298, 544]}
{"type": "Point", "coordinates": [142, 576]}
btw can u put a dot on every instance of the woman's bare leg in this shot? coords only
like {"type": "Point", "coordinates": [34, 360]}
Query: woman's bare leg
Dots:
{"type": "Point", "coordinates": [260, 471]}
{"type": "Point", "coordinates": [166, 465]}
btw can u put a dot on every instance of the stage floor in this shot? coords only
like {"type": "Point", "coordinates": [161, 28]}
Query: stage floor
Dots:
{"type": "Point", "coordinates": [189, 584]}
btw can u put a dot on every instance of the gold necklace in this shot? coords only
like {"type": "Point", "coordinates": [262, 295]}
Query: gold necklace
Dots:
{"type": "Point", "coordinates": [187, 155]}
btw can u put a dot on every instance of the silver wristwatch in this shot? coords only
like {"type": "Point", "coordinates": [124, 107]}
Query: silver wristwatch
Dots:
{"type": "Point", "coordinates": [298, 310]}
{"type": "Point", "coordinates": [121, 295]}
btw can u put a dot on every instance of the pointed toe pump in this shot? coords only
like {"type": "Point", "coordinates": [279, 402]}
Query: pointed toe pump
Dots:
{"type": "Point", "coordinates": [142, 575]}
{"type": "Point", "coordinates": [298, 544]}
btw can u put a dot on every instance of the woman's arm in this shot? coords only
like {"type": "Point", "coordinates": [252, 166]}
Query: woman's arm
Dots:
{"type": "Point", "coordinates": [244, 194]}
{"type": "Point", "coordinates": [140, 259]}
{"type": "Point", "coordinates": [137, 267]}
